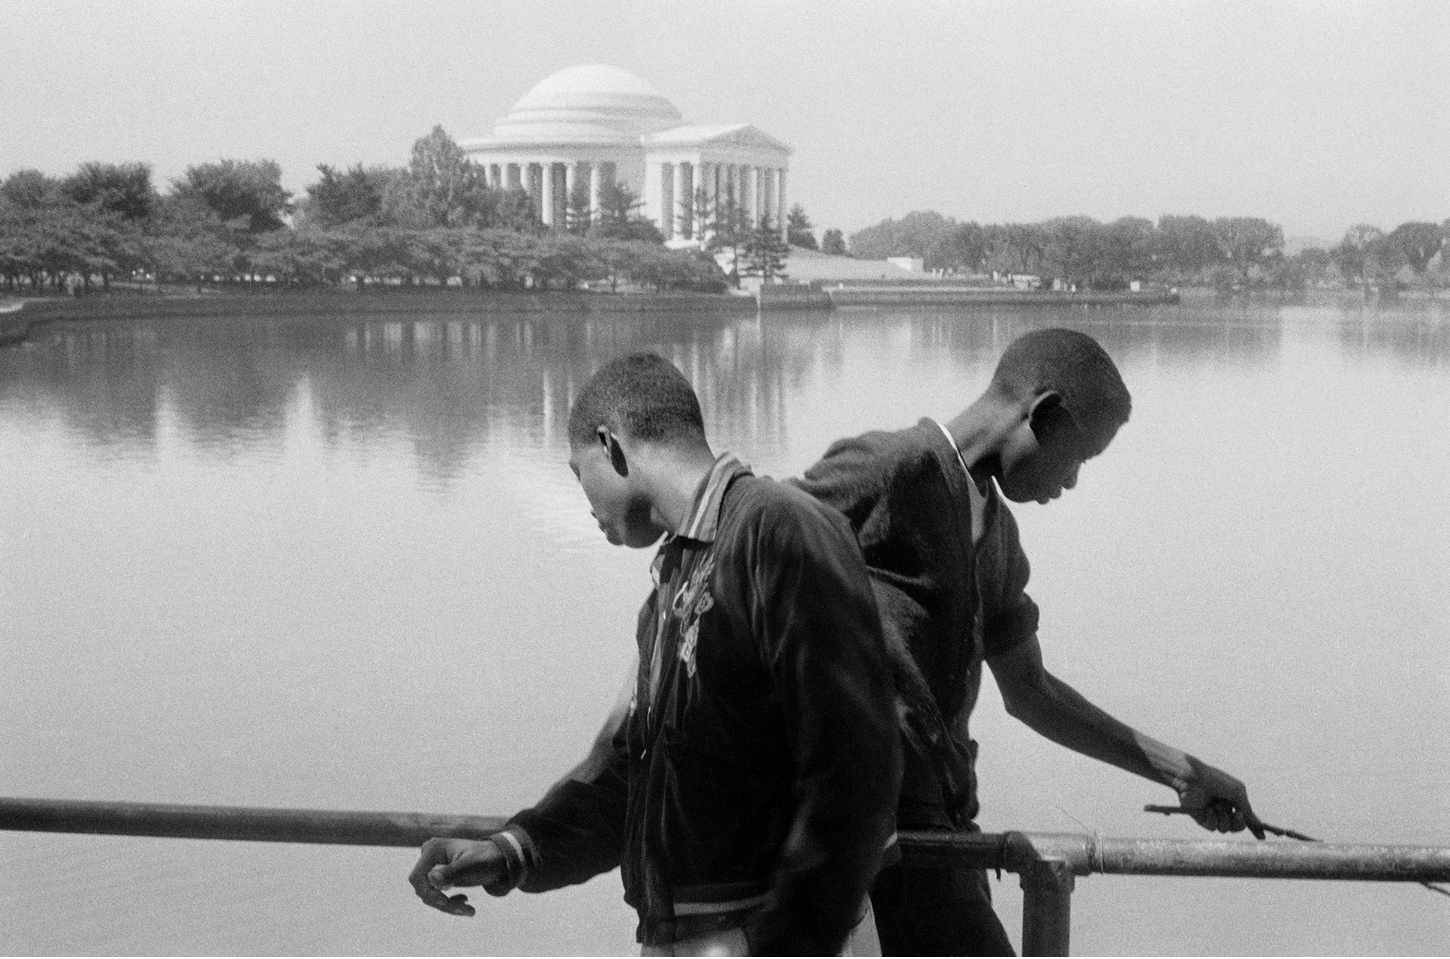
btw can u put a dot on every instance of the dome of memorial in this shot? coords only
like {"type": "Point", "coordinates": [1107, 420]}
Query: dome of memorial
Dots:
{"type": "Point", "coordinates": [587, 104]}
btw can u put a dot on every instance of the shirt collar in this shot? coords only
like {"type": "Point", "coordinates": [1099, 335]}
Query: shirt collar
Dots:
{"type": "Point", "coordinates": [703, 519]}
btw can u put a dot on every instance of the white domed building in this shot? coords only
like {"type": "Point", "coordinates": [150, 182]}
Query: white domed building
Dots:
{"type": "Point", "coordinates": [593, 123]}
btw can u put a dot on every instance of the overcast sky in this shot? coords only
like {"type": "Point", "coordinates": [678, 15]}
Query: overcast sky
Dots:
{"type": "Point", "coordinates": [1315, 115]}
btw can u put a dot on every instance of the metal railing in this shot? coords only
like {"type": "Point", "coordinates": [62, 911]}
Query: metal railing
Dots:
{"type": "Point", "coordinates": [1048, 863]}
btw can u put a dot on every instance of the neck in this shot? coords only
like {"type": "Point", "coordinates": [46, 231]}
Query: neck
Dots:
{"type": "Point", "coordinates": [671, 476]}
{"type": "Point", "coordinates": [980, 431]}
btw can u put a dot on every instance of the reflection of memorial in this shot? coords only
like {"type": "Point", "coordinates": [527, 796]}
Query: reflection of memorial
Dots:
{"type": "Point", "coordinates": [581, 127]}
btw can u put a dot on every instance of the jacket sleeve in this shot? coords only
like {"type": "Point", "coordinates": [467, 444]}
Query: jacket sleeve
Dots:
{"type": "Point", "coordinates": [576, 831]}
{"type": "Point", "coordinates": [817, 623]}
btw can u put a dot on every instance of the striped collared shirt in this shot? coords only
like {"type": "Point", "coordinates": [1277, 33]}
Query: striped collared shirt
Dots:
{"type": "Point", "coordinates": [674, 569]}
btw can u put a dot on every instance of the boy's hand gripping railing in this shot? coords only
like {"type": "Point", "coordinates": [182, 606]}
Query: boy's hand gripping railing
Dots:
{"type": "Point", "coordinates": [1047, 862]}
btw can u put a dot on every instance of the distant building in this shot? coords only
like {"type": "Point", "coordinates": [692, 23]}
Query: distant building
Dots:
{"type": "Point", "coordinates": [913, 263]}
{"type": "Point", "coordinates": [588, 124]}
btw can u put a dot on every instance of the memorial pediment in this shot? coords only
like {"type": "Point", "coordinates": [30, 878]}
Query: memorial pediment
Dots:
{"type": "Point", "coordinates": [741, 136]}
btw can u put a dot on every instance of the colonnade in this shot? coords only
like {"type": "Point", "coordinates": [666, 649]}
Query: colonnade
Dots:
{"type": "Point", "coordinates": [551, 184]}
{"type": "Point", "coordinates": [758, 191]}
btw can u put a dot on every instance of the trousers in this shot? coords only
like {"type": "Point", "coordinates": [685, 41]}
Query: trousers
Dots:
{"type": "Point", "coordinates": [937, 911]}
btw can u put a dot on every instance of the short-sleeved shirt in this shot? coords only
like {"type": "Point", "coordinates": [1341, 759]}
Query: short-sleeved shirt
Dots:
{"type": "Point", "coordinates": [949, 595]}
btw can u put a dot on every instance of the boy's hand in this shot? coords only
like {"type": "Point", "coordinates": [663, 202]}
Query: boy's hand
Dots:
{"type": "Point", "coordinates": [446, 863]}
{"type": "Point", "coordinates": [1218, 801]}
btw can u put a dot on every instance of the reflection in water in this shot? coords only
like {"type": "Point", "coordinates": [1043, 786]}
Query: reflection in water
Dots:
{"type": "Point", "coordinates": [338, 561]}
{"type": "Point", "coordinates": [455, 387]}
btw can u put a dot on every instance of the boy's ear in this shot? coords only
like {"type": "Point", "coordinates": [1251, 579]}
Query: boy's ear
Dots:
{"type": "Point", "coordinates": [1047, 404]}
{"type": "Point", "coordinates": [613, 450]}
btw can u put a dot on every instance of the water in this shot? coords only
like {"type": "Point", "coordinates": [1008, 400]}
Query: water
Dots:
{"type": "Point", "coordinates": [340, 562]}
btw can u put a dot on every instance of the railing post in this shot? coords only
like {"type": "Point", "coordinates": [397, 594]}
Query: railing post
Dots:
{"type": "Point", "coordinates": [1046, 907]}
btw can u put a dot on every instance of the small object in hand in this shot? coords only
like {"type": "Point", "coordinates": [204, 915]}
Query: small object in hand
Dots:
{"type": "Point", "coordinates": [1286, 833]}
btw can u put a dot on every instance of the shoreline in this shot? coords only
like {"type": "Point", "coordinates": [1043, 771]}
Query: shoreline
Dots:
{"type": "Point", "coordinates": [21, 316]}
{"type": "Point", "coordinates": [332, 303]}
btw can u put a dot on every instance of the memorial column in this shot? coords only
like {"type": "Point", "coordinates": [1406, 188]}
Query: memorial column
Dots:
{"type": "Point", "coordinates": [681, 213]}
{"type": "Point", "coordinates": [780, 202]}
{"type": "Point", "coordinates": [705, 188]}
{"type": "Point", "coordinates": [546, 193]}
{"type": "Point", "coordinates": [571, 183]}
{"type": "Point", "coordinates": [767, 194]}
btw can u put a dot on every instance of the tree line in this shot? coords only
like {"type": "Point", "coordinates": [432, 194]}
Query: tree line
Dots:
{"type": "Point", "coordinates": [435, 221]}
{"type": "Point", "coordinates": [1226, 252]}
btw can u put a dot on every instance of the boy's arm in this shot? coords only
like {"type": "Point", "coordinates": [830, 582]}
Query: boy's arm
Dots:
{"type": "Point", "coordinates": [579, 821]}
{"type": "Point", "coordinates": [1056, 710]}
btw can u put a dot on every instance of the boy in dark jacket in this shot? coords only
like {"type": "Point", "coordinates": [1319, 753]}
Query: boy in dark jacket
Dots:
{"type": "Point", "coordinates": [949, 575]}
{"type": "Point", "coordinates": [750, 790]}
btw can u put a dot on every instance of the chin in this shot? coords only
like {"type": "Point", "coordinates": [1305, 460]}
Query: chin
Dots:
{"type": "Point", "coordinates": [640, 539]}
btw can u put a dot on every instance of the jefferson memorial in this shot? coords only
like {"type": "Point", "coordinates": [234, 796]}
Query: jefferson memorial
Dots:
{"type": "Point", "coordinates": [598, 123]}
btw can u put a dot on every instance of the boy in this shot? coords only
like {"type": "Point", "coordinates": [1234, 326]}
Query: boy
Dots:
{"type": "Point", "coordinates": [751, 790]}
{"type": "Point", "coordinates": [949, 575]}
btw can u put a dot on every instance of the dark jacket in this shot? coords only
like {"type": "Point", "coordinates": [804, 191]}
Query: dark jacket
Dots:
{"type": "Point", "coordinates": [758, 783]}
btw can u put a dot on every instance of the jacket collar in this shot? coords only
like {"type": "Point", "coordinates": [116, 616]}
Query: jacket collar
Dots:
{"type": "Point", "coordinates": [702, 522]}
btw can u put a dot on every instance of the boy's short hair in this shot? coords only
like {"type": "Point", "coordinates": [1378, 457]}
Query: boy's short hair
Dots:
{"type": "Point", "coordinates": [640, 395]}
{"type": "Point", "coordinates": [1076, 367]}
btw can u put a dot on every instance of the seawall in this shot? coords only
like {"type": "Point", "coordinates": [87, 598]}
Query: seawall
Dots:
{"type": "Point", "coordinates": [390, 301]}
{"type": "Point", "coordinates": [921, 295]}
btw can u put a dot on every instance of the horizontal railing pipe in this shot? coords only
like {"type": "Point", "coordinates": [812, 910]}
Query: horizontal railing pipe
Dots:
{"type": "Point", "coordinates": [1011, 851]}
{"type": "Point", "coordinates": [1271, 859]}
{"type": "Point", "coordinates": [1047, 862]}
{"type": "Point", "coordinates": [323, 826]}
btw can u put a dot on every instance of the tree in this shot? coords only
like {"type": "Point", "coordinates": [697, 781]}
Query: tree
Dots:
{"type": "Point", "coordinates": [1186, 245]}
{"type": "Point", "coordinates": [28, 189]}
{"type": "Point", "coordinates": [1015, 247]}
{"type": "Point", "coordinates": [1071, 247]}
{"type": "Point", "coordinates": [1312, 264]}
{"type": "Point", "coordinates": [1127, 251]}
{"type": "Point", "coordinates": [187, 240]}
{"type": "Point", "coordinates": [347, 197]}
{"type": "Point", "coordinates": [1245, 242]}
{"type": "Point", "coordinates": [565, 261]}
{"type": "Point", "coordinates": [728, 231]}
{"type": "Point", "coordinates": [577, 215]}
{"type": "Point", "coordinates": [442, 187]}
{"type": "Point", "coordinates": [123, 189]}
{"type": "Point", "coordinates": [798, 228]}
{"type": "Point", "coordinates": [704, 211]}
{"type": "Point", "coordinates": [912, 235]}
{"type": "Point", "coordinates": [249, 191]}
{"type": "Point", "coordinates": [1358, 252]}
{"type": "Point", "coordinates": [833, 242]}
{"type": "Point", "coordinates": [619, 216]}
{"type": "Point", "coordinates": [1418, 243]}
{"type": "Point", "coordinates": [1444, 259]}
{"type": "Point", "coordinates": [764, 252]}
{"type": "Point", "coordinates": [962, 248]}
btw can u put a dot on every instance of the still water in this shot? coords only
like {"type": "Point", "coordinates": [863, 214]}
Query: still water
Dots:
{"type": "Point", "coordinates": [340, 562]}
